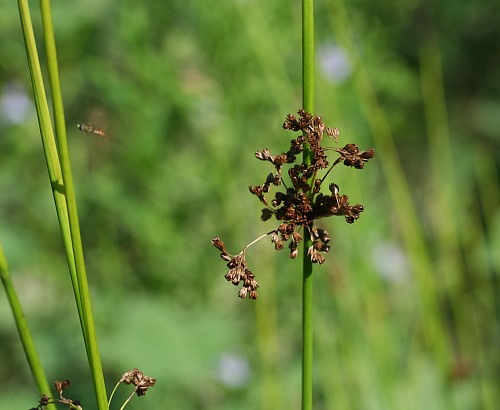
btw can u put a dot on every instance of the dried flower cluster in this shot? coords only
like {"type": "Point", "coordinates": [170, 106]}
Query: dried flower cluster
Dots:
{"type": "Point", "coordinates": [238, 271]}
{"type": "Point", "coordinates": [141, 382]}
{"type": "Point", "coordinates": [301, 201]}
{"type": "Point", "coordinates": [60, 386]}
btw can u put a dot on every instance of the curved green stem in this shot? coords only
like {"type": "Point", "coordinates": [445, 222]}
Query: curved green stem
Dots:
{"type": "Point", "coordinates": [23, 329]}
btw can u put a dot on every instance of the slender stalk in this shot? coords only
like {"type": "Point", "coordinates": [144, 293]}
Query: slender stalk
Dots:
{"type": "Point", "coordinates": [57, 106]}
{"type": "Point", "coordinates": [307, 282]}
{"type": "Point", "coordinates": [113, 393]}
{"type": "Point", "coordinates": [83, 301]}
{"type": "Point", "coordinates": [128, 399]}
{"type": "Point", "coordinates": [307, 328]}
{"type": "Point", "coordinates": [308, 55]}
{"type": "Point", "coordinates": [62, 187]}
{"type": "Point", "coordinates": [22, 327]}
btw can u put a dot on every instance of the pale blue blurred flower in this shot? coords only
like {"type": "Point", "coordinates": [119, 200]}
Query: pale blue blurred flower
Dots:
{"type": "Point", "coordinates": [391, 262]}
{"type": "Point", "coordinates": [334, 63]}
{"type": "Point", "coordinates": [15, 105]}
{"type": "Point", "coordinates": [232, 370]}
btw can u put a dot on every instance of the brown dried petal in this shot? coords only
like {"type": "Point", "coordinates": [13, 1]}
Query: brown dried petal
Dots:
{"type": "Point", "coordinates": [368, 154]}
{"type": "Point", "coordinates": [293, 250]}
{"type": "Point", "coordinates": [60, 386]}
{"type": "Point", "coordinates": [278, 244]}
{"type": "Point", "coordinates": [333, 133]}
{"type": "Point", "coordinates": [258, 191]}
{"type": "Point", "coordinates": [217, 242]}
{"type": "Point", "coordinates": [296, 237]}
{"type": "Point", "coordinates": [264, 155]}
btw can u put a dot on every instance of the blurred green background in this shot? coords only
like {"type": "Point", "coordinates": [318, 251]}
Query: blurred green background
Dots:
{"type": "Point", "coordinates": [407, 304]}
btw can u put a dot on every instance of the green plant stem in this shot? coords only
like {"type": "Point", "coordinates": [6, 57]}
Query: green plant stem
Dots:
{"type": "Point", "coordinates": [307, 282]}
{"type": "Point", "coordinates": [63, 192]}
{"type": "Point", "coordinates": [23, 329]}
{"type": "Point", "coordinates": [307, 328]}
{"type": "Point", "coordinates": [126, 401]}
{"type": "Point", "coordinates": [57, 106]}
{"type": "Point", "coordinates": [85, 310]}
{"type": "Point", "coordinates": [113, 393]}
{"type": "Point", "coordinates": [308, 56]}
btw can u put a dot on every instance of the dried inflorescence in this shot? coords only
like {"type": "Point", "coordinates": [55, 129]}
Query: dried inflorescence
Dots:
{"type": "Point", "coordinates": [60, 386]}
{"type": "Point", "coordinates": [141, 382]}
{"type": "Point", "coordinates": [238, 271]}
{"type": "Point", "coordinates": [300, 203]}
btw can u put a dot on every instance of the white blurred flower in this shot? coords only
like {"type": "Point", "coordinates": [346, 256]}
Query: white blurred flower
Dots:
{"type": "Point", "coordinates": [232, 370]}
{"type": "Point", "coordinates": [15, 105]}
{"type": "Point", "coordinates": [333, 63]}
{"type": "Point", "coordinates": [390, 262]}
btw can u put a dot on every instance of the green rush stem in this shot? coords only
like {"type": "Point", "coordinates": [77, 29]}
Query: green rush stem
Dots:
{"type": "Point", "coordinates": [62, 187]}
{"type": "Point", "coordinates": [307, 281]}
{"type": "Point", "coordinates": [60, 127]}
{"type": "Point", "coordinates": [76, 258]}
{"type": "Point", "coordinates": [52, 160]}
{"type": "Point", "coordinates": [23, 330]}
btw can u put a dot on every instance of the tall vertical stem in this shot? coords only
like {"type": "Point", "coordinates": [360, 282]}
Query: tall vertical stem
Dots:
{"type": "Point", "coordinates": [61, 180]}
{"type": "Point", "coordinates": [81, 285]}
{"type": "Point", "coordinates": [307, 283]}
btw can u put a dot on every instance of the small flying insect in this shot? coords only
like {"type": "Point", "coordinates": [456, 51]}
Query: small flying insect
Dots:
{"type": "Point", "coordinates": [91, 129]}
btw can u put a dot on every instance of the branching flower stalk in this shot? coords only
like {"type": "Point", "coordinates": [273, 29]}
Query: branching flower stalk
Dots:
{"type": "Point", "coordinates": [301, 201]}
{"type": "Point", "coordinates": [141, 382]}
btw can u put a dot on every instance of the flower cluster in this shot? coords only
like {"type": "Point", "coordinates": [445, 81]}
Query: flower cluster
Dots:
{"type": "Point", "coordinates": [300, 203]}
{"type": "Point", "coordinates": [141, 382]}
{"type": "Point", "coordinates": [238, 271]}
{"type": "Point", "coordinates": [60, 386]}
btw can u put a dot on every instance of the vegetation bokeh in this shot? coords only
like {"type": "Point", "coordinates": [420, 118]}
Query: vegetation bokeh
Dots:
{"type": "Point", "coordinates": [407, 305]}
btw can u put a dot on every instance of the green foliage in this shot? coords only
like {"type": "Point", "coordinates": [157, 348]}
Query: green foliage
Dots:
{"type": "Point", "coordinates": [187, 92]}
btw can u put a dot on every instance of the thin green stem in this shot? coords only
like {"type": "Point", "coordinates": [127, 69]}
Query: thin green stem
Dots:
{"type": "Point", "coordinates": [307, 328]}
{"type": "Point", "coordinates": [23, 329]}
{"type": "Point", "coordinates": [62, 182]}
{"type": "Point", "coordinates": [85, 310]}
{"type": "Point", "coordinates": [113, 393]}
{"type": "Point", "coordinates": [308, 55]}
{"type": "Point", "coordinates": [126, 401]}
{"type": "Point", "coordinates": [57, 106]}
{"type": "Point", "coordinates": [307, 283]}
